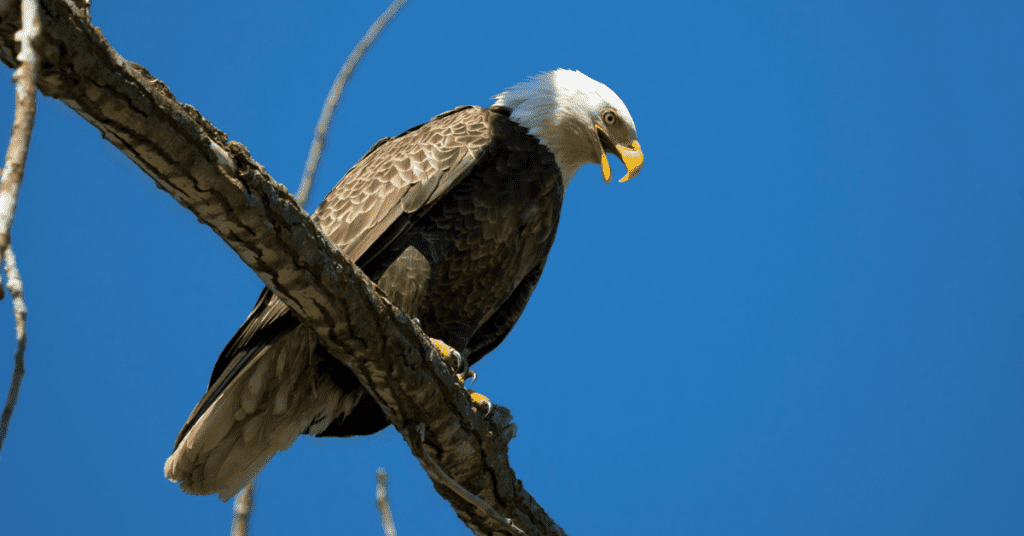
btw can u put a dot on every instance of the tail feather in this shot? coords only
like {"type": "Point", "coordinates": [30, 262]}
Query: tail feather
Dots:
{"type": "Point", "coordinates": [277, 395]}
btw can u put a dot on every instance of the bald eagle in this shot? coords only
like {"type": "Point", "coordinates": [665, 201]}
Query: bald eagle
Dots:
{"type": "Point", "coordinates": [453, 219]}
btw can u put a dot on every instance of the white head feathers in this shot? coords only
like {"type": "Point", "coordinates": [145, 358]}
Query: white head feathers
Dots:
{"type": "Point", "coordinates": [561, 108]}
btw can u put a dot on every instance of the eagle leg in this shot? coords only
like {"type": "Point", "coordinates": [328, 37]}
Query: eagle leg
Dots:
{"type": "Point", "coordinates": [463, 372]}
{"type": "Point", "coordinates": [461, 367]}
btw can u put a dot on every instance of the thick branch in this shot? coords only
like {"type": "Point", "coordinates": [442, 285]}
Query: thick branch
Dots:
{"type": "Point", "coordinates": [234, 195]}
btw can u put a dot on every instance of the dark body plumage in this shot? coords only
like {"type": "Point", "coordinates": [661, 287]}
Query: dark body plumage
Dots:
{"type": "Point", "coordinates": [453, 219]}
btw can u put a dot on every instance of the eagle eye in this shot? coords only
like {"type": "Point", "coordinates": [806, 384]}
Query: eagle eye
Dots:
{"type": "Point", "coordinates": [609, 117]}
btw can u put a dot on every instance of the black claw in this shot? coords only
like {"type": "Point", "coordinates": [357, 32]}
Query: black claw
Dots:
{"type": "Point", "coordinates": [461, 365]}
{"type": "Point", "coordinates": [490, 407]}
{"type": "Point", "coordinates": [469, 375]}
{"type": "Point", "coordinates": [417, 322]}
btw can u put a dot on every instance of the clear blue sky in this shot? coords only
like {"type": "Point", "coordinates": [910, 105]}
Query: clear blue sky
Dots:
{"type": "Point", "coordinates": [805, 316]}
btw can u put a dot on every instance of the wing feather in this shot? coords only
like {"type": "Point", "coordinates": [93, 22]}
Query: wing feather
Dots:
{"type": "Point", "coordinates": [406, 175]}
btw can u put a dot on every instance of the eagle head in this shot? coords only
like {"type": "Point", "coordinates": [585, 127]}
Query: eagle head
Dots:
{"type": "Point", "coordinates": [578, 118]}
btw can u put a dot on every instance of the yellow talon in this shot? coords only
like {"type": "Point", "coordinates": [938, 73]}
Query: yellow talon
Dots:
{"type": "Point", "coordinates": [446, 351]}
{"type": "Point", "coordinates": [449, 354]}
{"type": "Point", "coordinates": [481, 400]}
{"type": "Point", "coordinates": [478, 398]}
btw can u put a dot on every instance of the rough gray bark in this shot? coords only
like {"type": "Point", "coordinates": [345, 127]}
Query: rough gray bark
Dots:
{"type": "Point", "coordinates": [230, 192]}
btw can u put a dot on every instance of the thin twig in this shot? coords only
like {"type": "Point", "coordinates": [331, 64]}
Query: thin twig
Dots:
{"type": "Point", "coordinates": [334, 97]}
{"type": "Point", "coordinates": [384, 504]}
{"type": "Point", "coordinates": [243, 509]}
{"type": "Point", "coordinates": [10, 183]}
{"type": "Point", "coordinates": [20, 312]}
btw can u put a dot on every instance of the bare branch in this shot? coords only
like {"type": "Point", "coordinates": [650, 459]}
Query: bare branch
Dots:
{"type": "Point", "coordinates": [20, 312]}
{"type": "Point", "coordinates": [243, 509]}
{"type": "Point", "coordinates": [10, 184]}
{"type": "Point", "coordinates": [334, 97]}
{"type": "Point", "coordinates": [384, 505]}
{"type": "Point", "coordinates": [227, 190]}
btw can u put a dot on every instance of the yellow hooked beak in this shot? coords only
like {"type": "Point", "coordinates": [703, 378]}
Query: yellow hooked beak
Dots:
{"type": "Point", "coordinates": [631, 156]}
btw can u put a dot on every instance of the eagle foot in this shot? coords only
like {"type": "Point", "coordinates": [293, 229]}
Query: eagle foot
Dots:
{"type": "Point", "coordinates": [461, 366]}
{"type": "Point", "coordinates": [482, 400]}
{"type": "Point", "coordinates": [470, 375]}
{"type": "Point", "coordinates": [451, 356]}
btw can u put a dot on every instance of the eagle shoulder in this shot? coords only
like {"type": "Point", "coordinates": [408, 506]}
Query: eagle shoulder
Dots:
{"type": "Point", "coordinates": [401, 176]}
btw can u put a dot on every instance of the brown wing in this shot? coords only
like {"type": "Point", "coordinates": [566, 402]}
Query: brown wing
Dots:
{"type": "Point", "coordinates": [399, 178]}
{"type": "Point", "coordinates": [248, 415]}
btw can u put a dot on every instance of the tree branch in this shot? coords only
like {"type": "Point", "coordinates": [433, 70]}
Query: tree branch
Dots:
{"type": "Point", "coordinates": [384, 504]}
{"type": "Point", "coordinates": [230, 192]}
{"type": "Point", "coordinates": [323, 125]}
{"type": "Point", "coordinates": [243, 509]}
{"type": "Point", "coordinates": [10, 184]}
